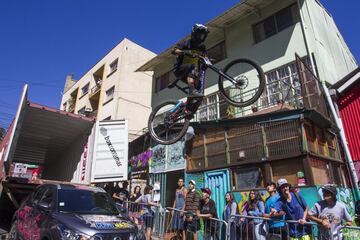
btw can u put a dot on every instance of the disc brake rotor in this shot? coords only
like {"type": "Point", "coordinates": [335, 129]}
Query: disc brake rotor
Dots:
{"type": "Point", "coordinates": [241, 82]}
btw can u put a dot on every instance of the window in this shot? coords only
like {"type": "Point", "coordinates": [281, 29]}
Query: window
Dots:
{"type": "Point", "coordinates": [208, 109]}
{"type": "Point", "coordinates": [113, 66]}
{"type": "Point", "coordinates": [276, 23]}
{"type": "Point", "coordinates": [110, 94]}
{"type": "Point", "coordinates": [287, 169]}
{"type": "Point", "coordinates": [85, 89]}
{"type": "Point", "coordinates": [64, 106]}
{"type": "Point", "coordinates": [37, 195]}
{"type": "Point", "coordinates": [218, 52]}
{"type": "Point", "coordinates": [163, 81]}
{"type": "Point", "coordinates": [81, 111]}
{"type": "Point", "coordinates": [283, 84]}
{"type": "Point", "coordinates": [47, 197]}
{"type": "Point", "coordinates": [320, 171]}
{"type": "Point", "coordinates": [248, 178]}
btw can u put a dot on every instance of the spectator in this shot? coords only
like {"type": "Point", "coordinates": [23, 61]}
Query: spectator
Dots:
{"type": "Point", "coordinates": [192, 203]}
{"type": "Point", "coordinates": [294, 207]}
{"type": "Point", "coordinates": [148, 213]}
{"type": "Point", "coordinates": [108, 188]}
{"type": "Point", "coordinates": [179, 204]}
{"type": "Point", "coordinates": [255, 207]}
{"type": "Point", "coordinates": [230, 210]}
{"type": "Point", "coordinates": [121, 194]}
{"type": "Point", "coordinates": [277, 229]}
{"type": "Point", "coordinates": [206, 211]}
{"type": "Point", "coordinates": [134, 208]}
{"type": "Point", "coordinates": [329, 213]}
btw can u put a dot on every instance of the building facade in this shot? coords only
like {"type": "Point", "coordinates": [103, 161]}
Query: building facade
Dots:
{"type": "Point", "coordinates": [271, 33]}
{"type": "Point", "coordinates": [298, 46]}
{"type": "Point", "coordinates": [112, 89]}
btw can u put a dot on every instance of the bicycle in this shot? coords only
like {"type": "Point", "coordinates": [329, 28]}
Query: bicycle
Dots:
{"type": "Point", "coordinates": [169, 121]}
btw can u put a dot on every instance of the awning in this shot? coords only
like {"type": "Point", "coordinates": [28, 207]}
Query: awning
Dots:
{"type": "Point", "coordinates": [217, 29]}
{"type": "Point", "coordinates": [43, 133]}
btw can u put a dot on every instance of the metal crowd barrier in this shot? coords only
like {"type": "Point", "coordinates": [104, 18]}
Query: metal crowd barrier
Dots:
{"type": "Point", "coordinates": [163, 225]}
{"type": "Point", "coordinates": [206, 229]}
{"type": "Point", "coordinates": [347, 233]}
{"type": "Point", "coordinates": [146, 217]}
{"type": "Point", "coordinates": [257, 228]}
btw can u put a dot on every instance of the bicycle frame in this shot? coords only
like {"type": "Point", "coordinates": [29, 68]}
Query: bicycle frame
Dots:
{"type": "Point", "coordinates": [204, 63]}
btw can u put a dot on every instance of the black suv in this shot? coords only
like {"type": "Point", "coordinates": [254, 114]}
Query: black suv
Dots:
{"type": "Point", "coordinates": [71, 212]}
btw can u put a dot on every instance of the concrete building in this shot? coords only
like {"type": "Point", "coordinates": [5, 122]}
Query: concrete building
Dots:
{"type": "Point", "coordinates": [288, 132]}
{"type": "Point", "coordinates": [269, 32]}
{"type": "Point", "coordinates": [111, 89]}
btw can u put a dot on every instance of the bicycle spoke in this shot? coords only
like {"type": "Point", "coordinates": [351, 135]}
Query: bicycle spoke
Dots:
{"type": "Point", "coordinates": [168, 123]}
{"type": "Point", "coordinates": [248, 82]}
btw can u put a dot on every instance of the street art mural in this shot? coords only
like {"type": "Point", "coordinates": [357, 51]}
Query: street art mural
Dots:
{"type": "Point", "coordinates": [344, 195]}
{"type": "Point", "coordinates": [311, 194]}
{"type": "Point", "coordinates": [167, 158]}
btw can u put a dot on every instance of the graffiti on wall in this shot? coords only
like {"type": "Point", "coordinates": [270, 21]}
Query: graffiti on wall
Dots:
{"type": "Point", "coordinates": [199, 178]}
{"type": "Point", "coordinates": [344, 195]}
{"type": "Point", "coordinates": [167, 158]}
{"type": "Point", "coordinates": [158, 159]}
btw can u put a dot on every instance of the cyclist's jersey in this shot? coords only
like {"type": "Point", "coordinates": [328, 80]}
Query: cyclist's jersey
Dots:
{"type": "Point", "coordinates": [186, 45]}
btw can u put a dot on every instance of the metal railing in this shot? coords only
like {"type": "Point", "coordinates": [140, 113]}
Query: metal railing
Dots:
{"type": "Point", "coordinates": [292, 86]}
{"type": "Point", "coordinates": [172, 223]}
{"type": "Point", "coordinates": [95, 89]}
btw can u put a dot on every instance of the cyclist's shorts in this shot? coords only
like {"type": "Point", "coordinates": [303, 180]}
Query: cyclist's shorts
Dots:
{"type": "Point", "coordinates": [186, 70]}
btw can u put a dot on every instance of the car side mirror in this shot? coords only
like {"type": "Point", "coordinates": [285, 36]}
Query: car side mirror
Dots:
{"type": "Point", "coordinates": [44, 205]}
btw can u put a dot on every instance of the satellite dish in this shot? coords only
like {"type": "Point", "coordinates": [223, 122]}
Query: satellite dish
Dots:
{"type": "Point", "coordinates": [190, 133]}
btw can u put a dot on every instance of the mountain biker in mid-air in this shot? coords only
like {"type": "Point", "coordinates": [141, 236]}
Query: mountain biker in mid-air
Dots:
{"type": "Point", "coordinates": [186, 67]}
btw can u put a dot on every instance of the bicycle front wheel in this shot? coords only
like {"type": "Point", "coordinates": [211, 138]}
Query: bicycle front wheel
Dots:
{"type": "Point", "coordinates": [247, 85]}
{"type": "Point", "coordinates": [167, 123]}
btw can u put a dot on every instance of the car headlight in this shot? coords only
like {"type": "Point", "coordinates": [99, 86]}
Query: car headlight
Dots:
{"type": "Point", "coordinates": [72, 235]}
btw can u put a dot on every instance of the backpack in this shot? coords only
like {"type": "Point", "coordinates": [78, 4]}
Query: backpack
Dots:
{"type": "Point", "coordinates": [298, 198]}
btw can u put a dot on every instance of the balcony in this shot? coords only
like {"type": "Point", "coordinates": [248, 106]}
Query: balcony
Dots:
{"type": "Point", "coordinates": [71, 103]}
{"type": "Point", "coordinates": [285, 89]}
{"type": "Point", "coordinates": [93, 113]}
{"type": "Point", "coordinates": [95, 91]}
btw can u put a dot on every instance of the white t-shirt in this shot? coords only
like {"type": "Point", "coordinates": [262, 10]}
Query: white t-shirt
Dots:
{"type": "Point", "coordinates": [335, 214]}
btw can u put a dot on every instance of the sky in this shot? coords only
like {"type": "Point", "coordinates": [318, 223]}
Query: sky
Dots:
{"type": "Point", "coordinates": [41, 41]}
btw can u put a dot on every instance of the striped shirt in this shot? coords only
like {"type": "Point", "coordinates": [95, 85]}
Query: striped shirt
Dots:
{"type": "Point", "coordinates": [192, 201]}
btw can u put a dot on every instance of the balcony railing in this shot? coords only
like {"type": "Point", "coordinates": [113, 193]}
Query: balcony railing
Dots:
{"type": "Point", "coordinates": [285, 88]}
{"type": "Point", "coordinates": [71, 105]}
{"type": "Point", "coordinates": [93, 113]}
{"type": "Point", "coordinates": [94, 90]}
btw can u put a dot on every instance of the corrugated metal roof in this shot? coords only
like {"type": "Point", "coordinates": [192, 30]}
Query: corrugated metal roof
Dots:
{"type": "Point", "coordinates": [216, 26]}
{"type": "Point", "coordinates": [44, 133]}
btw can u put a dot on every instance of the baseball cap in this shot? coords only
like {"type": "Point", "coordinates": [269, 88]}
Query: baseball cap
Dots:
{"type": "Point", "coordinates": [206, 190]}
{"type": "Point", "coordinates": [281, 182]}
{"type": "Point", "coordinates": [329, 188]}
{"type": "Point", "coordinates": [192, 182]}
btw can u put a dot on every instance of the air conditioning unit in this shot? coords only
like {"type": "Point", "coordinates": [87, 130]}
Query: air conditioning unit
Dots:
{"type": "Point", "coordinates": [88, 110]}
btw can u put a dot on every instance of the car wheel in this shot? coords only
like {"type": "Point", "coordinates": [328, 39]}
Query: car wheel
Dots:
{"type": "Point", "coordinates": [13, 235]}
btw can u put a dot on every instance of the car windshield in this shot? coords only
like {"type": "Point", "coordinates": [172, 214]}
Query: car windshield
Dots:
{"type": "Point", "coordinates": [86, 202]}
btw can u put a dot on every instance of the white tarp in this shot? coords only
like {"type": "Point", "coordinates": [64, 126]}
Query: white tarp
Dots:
{"type": "Point", "coordinates": [110, 157]}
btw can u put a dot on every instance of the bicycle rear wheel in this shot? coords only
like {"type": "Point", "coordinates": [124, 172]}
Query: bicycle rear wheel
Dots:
{"type": "Point", "coordinates": [167, 126]}
{"type": "Point", "coordinates": [250, 82]}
